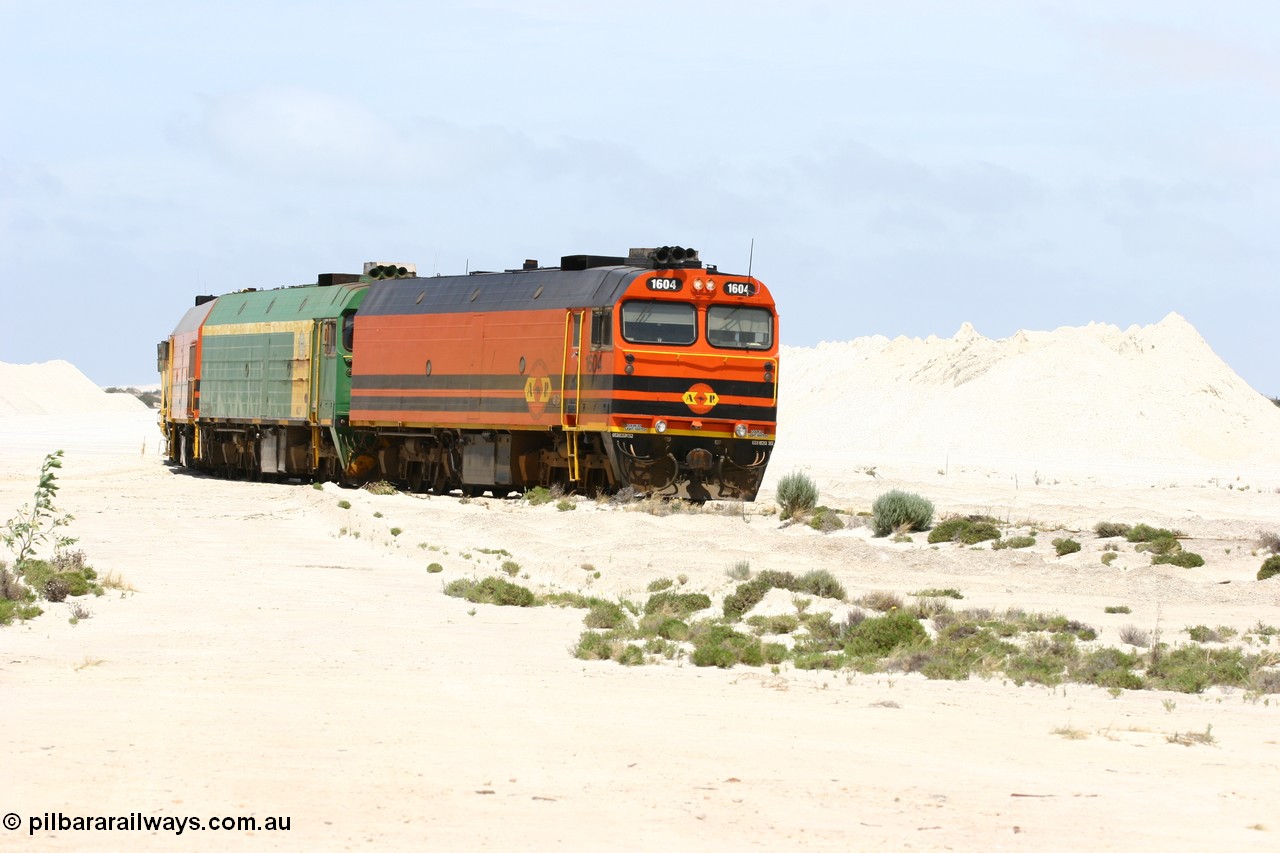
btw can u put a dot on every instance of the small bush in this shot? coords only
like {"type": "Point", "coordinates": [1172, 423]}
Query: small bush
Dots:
{"type": "Point", "coordinates": [970, 531]}
{"type": "Point", "coordinates": [1064, 547]}
{"type": "Point", "coordinates": [796, 494]}
{"type": "Point", "coordinates": [1160, 545]}
{"type": "Point", "coordinates": [1270, 567]}
{"type": "Point", "coordinates": [680, 604]}
{"type": "Point", "coordinates": [660, 584]}
{"type": "Point", "coordinates": [56, 588]}
{"type": "Point", "coordinates": [1145, 533]}
{"type": "Point", "coordinates": [784, 623]}
{"type": "Point", "coordinates": [881, 601]}
{"type": "Point", "coordinates": [1013, 542]}
{"type": "Point", "coordinates": [435, 568]}
{"type": "Point", "coordinates": [511, 567]}
{"type": "Point", "coordinates": [606, 614]}
{"type": "Point", "coordinates": [1109, 557]}
{"type": "Point", "coordinates": [396, 531]}
{"type": "Point", "coordinates": [934, 592]}
{"type": "Point", "coordinates": [879, 635]}
{"type": "Point", "coordinates": [380, 487]}
{"type": "Point", "coordinates": [1117, 608]}
{"type": "Point", "coordinates": [565, 505]}
{"type": "Point", "coordinates": [899, 511]}
{"type": "Point", "coordinates": [825, 520]}
{"type": "Point", "coordinates": [821, 583]}
{"type": "Point", "coordinates": [539, 495]}
{"type": "Point", "coordinates": [1269, 540]}
{"type": "Point", "coordinates": [1183, 559]}
{"type": "Point", "coordinates": [1109, 529]}
{"type": "Point", "coordinates": [739, 571]}
{"type": "Point", "coordinates": [749, 594]}
{"type": "Point", "coordinates": [1135, 636]}
{"type": "Point", "coordinates": [344, 504]}
{"type": "Point", "coordinates": [491, 591]}
{"type": "Point", "coordinates": [722, 646]}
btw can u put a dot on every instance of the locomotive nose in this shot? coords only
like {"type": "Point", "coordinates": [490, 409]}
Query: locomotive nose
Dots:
{"type": "Point", "coordinates": [699, 459]}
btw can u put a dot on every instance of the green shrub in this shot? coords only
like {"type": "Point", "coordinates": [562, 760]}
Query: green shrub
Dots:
{"type": "Point", "coordinates": [1190, 669]}
{"type": "Point", "coordinates": [1013, 542]}
{"type": "Point", "coordinates": [784, 623]}
{"type": "Point", "coordinates": [879, 635]}
{"type": "Point", "coordinates": [1270, 567]}
{"type": "Point", "coordinates": [565, 505]}
{"type": "Point", "coordinates": [344, 504]}
{"type": "Point", "coordinates": [673, 629]}
{"type": "Point", "coordinates": [677, 603]}
{"type": "Point", "coordinates": [1183, 559]}
{"type": "Point", "coordinates": [1107, 667]}
{"type": "Point", "coordinates": [660, 584]}
{"type": "Point", "coordinates": [593, 645]}
{"type": "Point", "coordinates": [491, 591]}
{"type": "Point", "coordinates": [606, 614]}
{"type": "Point", "coordinates": [970, 531]}
{"type": "Point", "coordinates": [722, 646]}
{"type": "Point", "coordinates": [935, 592]}
{"type": "Point", "coordinates": [1145, 533]}
{"type": "Point", "coordinates": [1064, 547]}
{"type": "Point", "coordinates": [796, 494]}
{"type": "Point", "coordinates": [1160, 545]}
{"type": "Point", "coordinates": [511, 567]}
{"type": "Point", "coordinates": [1109, 558]}
{"type": "Point", "coordinates": [1108, 529]}
{"type": "Point", "coordinates": [380, 487]}
{"type": "Point", "coordinates": [749, 594]}
{"type": "Point", "coordinates": [630, 655]}
{"type": "Point", "coordinates": [900, 511]}
{"type": "Point", "coordinates": [435, 568]}
{"type": "Point", "coordinates": [1117, 608]}
{"type": "Point", "coordinates": [821, 583]}
{"type": "Point", "coordinates": [739, 571]}
{"type": "Point", "coordinates": [395, 531]}
{"type": "Point", "coordinates": [539, 495]}
{"type": "Point", "coordinates": [825, 520]}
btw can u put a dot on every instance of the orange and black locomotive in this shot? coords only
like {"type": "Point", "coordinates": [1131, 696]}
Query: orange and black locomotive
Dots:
{"type": "Point", "coordinates": [652, 371]}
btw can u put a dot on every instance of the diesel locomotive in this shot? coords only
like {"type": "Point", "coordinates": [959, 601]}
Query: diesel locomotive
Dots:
{"type": "Point", "coordinates": [652, 371]}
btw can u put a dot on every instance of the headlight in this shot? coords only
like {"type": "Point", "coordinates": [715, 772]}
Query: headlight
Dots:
{"type": "Point", "coordinates": [740, 430]}
{"type": "Point", "coordinates": [660, 426]}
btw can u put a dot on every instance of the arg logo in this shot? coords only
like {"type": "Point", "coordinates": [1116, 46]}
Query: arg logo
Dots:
{"type": "Point", "coordinates": [700, 398]}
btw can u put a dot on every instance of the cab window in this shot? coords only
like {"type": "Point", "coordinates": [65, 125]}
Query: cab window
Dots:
{"type": "Point", "coordinates": [349, 332]}
{"type": "Point", "coordinates": [739, 327]}
{"type": "Point", "coordinates": [650, 321]}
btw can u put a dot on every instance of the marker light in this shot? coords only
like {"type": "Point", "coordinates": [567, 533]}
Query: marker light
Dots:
{"type": "Point", "coordinates": [711, 286]}
{"type": "Point", "coordinates": [697, 285]}
{"type": "Point", "coordinates": [740, 430]}
{"type": "Point", "coordinates": [660, 426]}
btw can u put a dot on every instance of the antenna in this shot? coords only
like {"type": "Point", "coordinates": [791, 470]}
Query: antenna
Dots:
{"type": "Point", "coordinates": [751, 256]}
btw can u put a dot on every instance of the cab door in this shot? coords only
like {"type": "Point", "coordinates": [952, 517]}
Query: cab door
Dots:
{"type": "Point", "coordinates": [324, 371]}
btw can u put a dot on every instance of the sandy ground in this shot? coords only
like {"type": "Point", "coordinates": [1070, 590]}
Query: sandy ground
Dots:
{"type": "Point", "coordinates": [269, 665]}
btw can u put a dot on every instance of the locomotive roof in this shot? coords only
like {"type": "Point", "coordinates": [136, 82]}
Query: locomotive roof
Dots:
{"type": "Point", "coordinates": [508, 291]}
{"type": "Point", "coordinates": [193, 318]}
{"type": "Point", "coordinates": [304, 302]}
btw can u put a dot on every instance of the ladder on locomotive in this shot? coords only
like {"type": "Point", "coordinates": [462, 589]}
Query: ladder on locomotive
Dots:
{"type": "Point", "coordinates": [574, 327]}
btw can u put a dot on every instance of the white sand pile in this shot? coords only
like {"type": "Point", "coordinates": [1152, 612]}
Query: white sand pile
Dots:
{"type": "Point", "coordinates": [1081, 400]}
{"type": "Point", "coordinates": [56, 388]}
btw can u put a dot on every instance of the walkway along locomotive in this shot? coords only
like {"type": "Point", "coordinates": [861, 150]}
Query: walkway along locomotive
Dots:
{"type": "Point", "coordinates": [651, 371]}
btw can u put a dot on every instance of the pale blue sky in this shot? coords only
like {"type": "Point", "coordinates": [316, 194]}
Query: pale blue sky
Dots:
{"type": "Point", "coordinates": [902, 167]}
